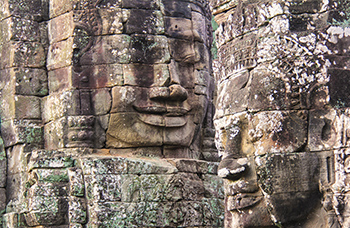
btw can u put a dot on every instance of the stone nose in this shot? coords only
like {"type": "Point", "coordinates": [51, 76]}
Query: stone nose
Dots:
{"type": "Point", "coordinates": [231, 168]}
{"type": "Point", "coordinates": [173, 92]}
{"type": "Point", "coordinates": [177, 92]}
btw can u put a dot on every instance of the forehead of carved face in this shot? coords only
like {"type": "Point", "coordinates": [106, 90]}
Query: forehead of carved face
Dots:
{"type": "Point", "coordinates": [154, 58]}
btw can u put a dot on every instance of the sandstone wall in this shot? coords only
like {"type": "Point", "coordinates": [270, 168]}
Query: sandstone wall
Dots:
{"type": "Point", "coordinates": [106, 115]}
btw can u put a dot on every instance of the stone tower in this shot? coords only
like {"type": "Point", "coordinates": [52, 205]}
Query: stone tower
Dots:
{"type": "Point", "coordinates": [282, 113]}
{"type": "Point", "coordinates": [106, 114]}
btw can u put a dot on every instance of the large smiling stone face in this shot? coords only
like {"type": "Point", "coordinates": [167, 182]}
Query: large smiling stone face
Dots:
{"type": "Point", "coordinates": [155, 58]}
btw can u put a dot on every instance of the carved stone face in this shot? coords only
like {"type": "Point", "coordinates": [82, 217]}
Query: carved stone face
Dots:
{"type": "Point", "coordinates": [266, 182]}
{"type": "Point", "coordinates": [156, 59]}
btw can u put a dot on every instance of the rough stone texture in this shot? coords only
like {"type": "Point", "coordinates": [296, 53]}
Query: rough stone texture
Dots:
{"type": "Point", "coordinates": [106, 114]}
{"type": "Point", "coordinates": [282, 111]}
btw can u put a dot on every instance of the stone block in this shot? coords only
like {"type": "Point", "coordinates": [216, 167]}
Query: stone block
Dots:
{"type": "Point", "coordinates": [277, 131]}
{"type": "Point", "coordinates": [29, 132]}
{"type": "Point", "coordinates": [271, 94]}
{"type": "Point", "coordinates": [14, 186]}
{"type": "Point", "coordinates": [16, 159]}
{"type": "Point", "coordinates": [77, 210]}
{"type": "Point", "coordinates": [47, 218]}
{"type": "Point", "coordinates": [19, 29]}
{"type": "Point", "coordinates": [213, 209]}
{"type": "Point", "coordinates": [27, 107]}
{"type": "Point", "coordinates": [112, 21]}
{"type": "Point", "coordinates": [120, 165]}
{"type": "Point", "coordinates": [125, 130]}
{"type": "Point", "coordinates": [7, 109]}
{"type": "Point", "coordinates": [61, 104]}
{"type": "Point", "coordinates": [76, 182]}
{"type": "Point", "coordinates": [100, 131]}
{"type": "Point", "coordinates": [32, 9]}
{"type": "Point", "coordinates": [47, 190]}
{"type": "Point", "coordinates": [111, 49]}
{"type": "Point", "coordinates": [2, 200]}
{"type": "Point", "coordinates": [325, 130]}
{"type": "Point", "coordinates": [182, 72]}
{"type": "Point", "coordinates": [144, 21]}
{"type": "Point", "coordinates": [51, 175]}
{"type": "Point", "coordinates": [75, 225]}
{"type": "Point", "coordinates": [13, 220]}
{"type": "Point", "coordinates": [59, 7]}
{"type": "Point", "coordinates": [55, 134]}
{"type": "Point", "coordinates": [22, 54]}
{"type": "Point", "coordinates": [338, 87]}
{"type": "Point", "coordinates": [149, 49]}
{"type": "Point", "coordinates": [102, 101]}
{"type": "Point", "coordinates": [61, 27]}
{"type": "Point", "coordinates": [213, 186]}
{"type": "Point", "coordinates": [60, 54]}
{"type": "Point", "coordinates": [200, 28]}
{"type": "Point", "coordinates": [3, 165]}
{"type": "Point", "coordinates": [60, 79]}
{"type": "Point", "coordinates": [184, 186]}
{"type": "Point", "coordinates": [180, 28]}
{"type": "Point", "coordinates": [30, 81]}
{"type": "Point", "coordinates": [138, 74]}
{"type": "Point", "coordinates": [98, 76]}
{"type": "Point", "coordinates": [102, 166]}
{"type": "Point", "coordinates": [182, 50]}
{"type": "Point", "coordinates": [41, 159]}
{"type": "Point", "coordinates": [202, 56]}
{"type": "Point", "coordinates": [147, 4]}
{"type": "Point", "coordinates": [177, 9]}
{"type": "Point", "coordinates": [311, 6]}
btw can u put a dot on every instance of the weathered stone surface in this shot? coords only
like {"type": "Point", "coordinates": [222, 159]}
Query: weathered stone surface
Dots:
{"type": "Point", "coordinates": [59, 7]}
{"type": "Point", "coordinates": [147, 4]}
{"type": "Point", "coordinates": [282, 59]}
{"type": "Point", "coordinates": [61, 104]}
{"type": "Point", "coordinates": [177, 9]}
{"type": "Point", "coordinates": [19, 29]}
{"type": "Point", "coordinates": [144, 21]}
{"type": "Point", "coordinates": [60, 54]}
{"type": "Point", "coordinates": [3, 167]}
{"type": "Point", "coordinates": [2, 200]}
{"type": "Point", "coordinates": [77, 210]}
{"type": "Point", "coordinates": [149, 49]}
{"type": "Point", "coordinates": [325, 130]}
{"type": "Point", "coordinates": [33, 9]}
{"type": "Point", "coordinates": [111, 49]}
{"type": "Point", "coordinates": [178, 28]}
{"type": "Point", "coordinates": [102, 101]}
{"type": "Point", "coordinates": [22, 54]}
{"type": "Point", "coordinates": [98, 99]}
{"type": "Point", "coordinates": [55, 134]}
{"type": "Point", "coordinates": [61, 27]}
{"type": "Point", "coordinates": [14, 132]}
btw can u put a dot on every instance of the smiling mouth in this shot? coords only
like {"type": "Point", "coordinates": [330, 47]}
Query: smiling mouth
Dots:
{"type": "Point", "coordinates": [242, 201]}
{"type": "Point", "coordinates": [162, 116]}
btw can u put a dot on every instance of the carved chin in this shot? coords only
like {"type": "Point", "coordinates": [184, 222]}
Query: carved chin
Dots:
{"type": "Point", "coordinates": [134, 130]}
{"type": "Point", "coordinates": [255, 215]}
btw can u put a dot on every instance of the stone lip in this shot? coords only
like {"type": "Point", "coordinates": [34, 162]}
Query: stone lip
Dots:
{"type": "Point", "coordinates": [241, 201]}
{"type": "Point", "coordinates": [163, 121]}
{"type": "Point", "coordinates": [162, 116]}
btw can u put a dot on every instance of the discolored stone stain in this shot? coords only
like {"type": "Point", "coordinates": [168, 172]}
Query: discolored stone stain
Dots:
{"type": "Point", "coordinates": [144, 75]}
